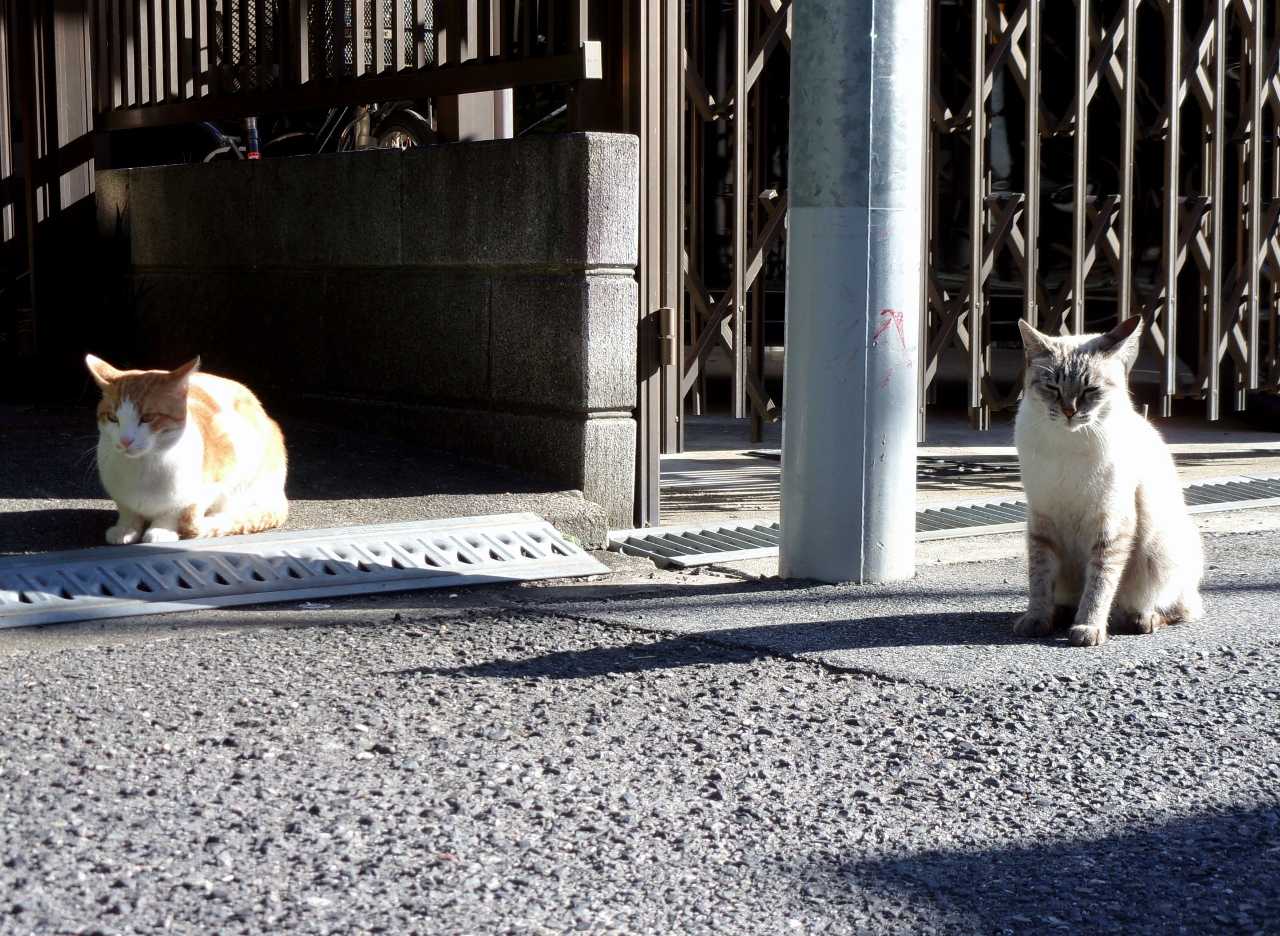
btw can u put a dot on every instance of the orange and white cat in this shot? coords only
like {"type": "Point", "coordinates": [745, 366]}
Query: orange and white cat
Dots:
{"type": "Point", "coordinates": [186, 454]}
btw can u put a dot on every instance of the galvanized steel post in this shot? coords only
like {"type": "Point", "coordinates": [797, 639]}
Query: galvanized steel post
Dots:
{"type": "Point", "coordinates": [858, 124]}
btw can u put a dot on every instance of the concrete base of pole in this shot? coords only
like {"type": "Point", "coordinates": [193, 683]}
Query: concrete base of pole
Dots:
{"type": "Point", "coordinates": [853, 291]}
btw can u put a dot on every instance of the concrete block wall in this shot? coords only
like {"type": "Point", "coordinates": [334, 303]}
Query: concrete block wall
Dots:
{"type": "Point", "coordinates": [478, 295]}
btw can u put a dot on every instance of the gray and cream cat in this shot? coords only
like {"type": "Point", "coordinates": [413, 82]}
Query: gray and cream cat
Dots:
{"type": "Point", "coordinates": [1109, 541]}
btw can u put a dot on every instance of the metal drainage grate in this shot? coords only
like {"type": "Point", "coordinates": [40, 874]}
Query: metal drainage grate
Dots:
{"type": "Point", "coordinates": [120, 581]}
{"type": "Point", "coordinates": [685, 547]}
{"type": "Point", "coordinates": [1232, 494]}
{"type": "Point", "coordinates": [1220, 494]}
{"type": "Point", "coordinates": [970, 520]}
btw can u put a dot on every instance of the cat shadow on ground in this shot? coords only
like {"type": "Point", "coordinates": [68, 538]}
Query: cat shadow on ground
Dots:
{"type": "Point", "coordinates": [1213, 872]}
{"type": "Point", "coordinates": [734, 644]}
{"type": "Point", "coordinates": [54, 529]}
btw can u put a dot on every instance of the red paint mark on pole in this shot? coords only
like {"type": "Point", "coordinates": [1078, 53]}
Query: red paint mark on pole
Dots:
{"type": "Point", "coordinates": [891, 317]}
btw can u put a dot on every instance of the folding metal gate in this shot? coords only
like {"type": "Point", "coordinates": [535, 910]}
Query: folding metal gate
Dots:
{"type": "Point", "coordinates": [1148, 182]}
{"type": "Point", "coordinates": [1090, 159]}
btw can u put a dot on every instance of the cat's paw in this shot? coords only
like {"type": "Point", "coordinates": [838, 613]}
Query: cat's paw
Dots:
{"type": "Point", "coordinates": [1086, 635]}
{"type": "Point", "coordinates": [1147, 622]}
{"type": "Point", "coordinates": [1189, 608]}
{"type": "Point", "coordinates": [120, 535]}
{"type": "Point", "coordinates": [159, 535]}
{"type": "Point", "coordinates": [1034, 624]}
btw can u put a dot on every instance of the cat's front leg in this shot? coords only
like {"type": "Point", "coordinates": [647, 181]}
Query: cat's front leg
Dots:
{"type": "Point", "coordinates": [187, 523]}
{"type": "Point", "coordinates": [128, 527]}
{"type": "Point", "coordinates": [1107, 559]}
{"type": "Point", "coordinates": [163, 529]}
{"type": "Point", "coordinates": [1042, 572]}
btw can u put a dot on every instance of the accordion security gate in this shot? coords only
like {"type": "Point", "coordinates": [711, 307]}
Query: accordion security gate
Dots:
{"type": "Point", "coordinates": [1148, 183]}
{"type": "Point", "coordinates": [1089, 160]}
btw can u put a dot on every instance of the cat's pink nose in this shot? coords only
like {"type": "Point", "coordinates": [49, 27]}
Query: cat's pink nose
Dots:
{"type": "Point", "coordinates": [1068, 411]}
{"type": "Point", "coordinates": [126, 441]}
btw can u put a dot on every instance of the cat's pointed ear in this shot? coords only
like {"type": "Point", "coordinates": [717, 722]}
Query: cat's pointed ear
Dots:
{"type": "Point", "coordinates": [103, 373]}
{"type": "Point", "coordinates": [184, 372]}
{"type": "Point", "coordinates": [1033, 342]}
{"type": "Point", "coordinates": [1123, 341]}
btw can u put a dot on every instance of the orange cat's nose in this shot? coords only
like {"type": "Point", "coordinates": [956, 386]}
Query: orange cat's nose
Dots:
{"type": "Point", "coordinates": [125, 442]}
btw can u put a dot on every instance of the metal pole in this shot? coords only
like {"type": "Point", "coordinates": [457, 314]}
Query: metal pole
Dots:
{"type": "Point", "coordinates": [741, 92]}
{"type": "Point", "coordinates": [979, 414]}
{"type": "Point", "coordinates": [1031, 212]}
{"type": "Point", "coordinates": [1080, 188]}
{"type": "Point", "coordinates": [858, 125]}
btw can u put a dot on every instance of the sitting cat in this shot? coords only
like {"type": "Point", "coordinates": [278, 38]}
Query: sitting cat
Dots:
{"type": "Point", "coordinates": [186, 454]}
{"type": "Point", "coordinates": [1107, 525]}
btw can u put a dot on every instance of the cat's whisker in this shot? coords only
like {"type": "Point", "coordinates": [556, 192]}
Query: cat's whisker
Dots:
{"type": "Point", "coordinates": [86, 458]}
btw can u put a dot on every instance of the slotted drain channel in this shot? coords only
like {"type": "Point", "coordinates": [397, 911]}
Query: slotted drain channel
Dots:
{"type": "Point", "coordinates": [120, 581]}
{"type": "Point", "coordinates": [685, 547]}
{"type": "Point", "coordinates": [689, 546]}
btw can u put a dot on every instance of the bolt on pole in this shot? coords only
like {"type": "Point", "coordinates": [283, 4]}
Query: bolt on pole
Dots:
{"type": "Point", "coordinates": [854, 300]}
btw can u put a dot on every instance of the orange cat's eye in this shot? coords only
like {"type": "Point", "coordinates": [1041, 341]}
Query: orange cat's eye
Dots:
{"type": "Point", "coordinates": [147, 418]}
{"type": "Point", "coordinates": [111, 417]}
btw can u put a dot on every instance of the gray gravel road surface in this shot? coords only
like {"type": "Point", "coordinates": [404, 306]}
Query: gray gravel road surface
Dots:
{"type": "Point", "coordinates": [711, 759]}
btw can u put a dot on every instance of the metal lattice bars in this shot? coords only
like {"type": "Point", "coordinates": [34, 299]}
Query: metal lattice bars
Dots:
{"type": "Point", "coordinates": [731, 319]}
{"type": "Point", "coordinates": [171, 61]}
{"type": "Point", "coordinates": [1164, 157]}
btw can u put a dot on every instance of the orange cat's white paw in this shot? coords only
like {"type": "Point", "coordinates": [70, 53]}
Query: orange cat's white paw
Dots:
{"type": "Point", "coordinates": [160, 535]}
{"type": "Point", "coordinates": [119, 535]}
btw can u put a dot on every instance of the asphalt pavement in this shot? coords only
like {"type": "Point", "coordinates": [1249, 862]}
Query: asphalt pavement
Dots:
{"type": "Point", "coordinates": [653, 753]}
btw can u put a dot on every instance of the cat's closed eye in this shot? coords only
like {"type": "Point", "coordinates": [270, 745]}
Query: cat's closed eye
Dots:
{"type": "Point", "coordinates": [111, 417]}
{"type": "Point", "coordinates": [146, 418]}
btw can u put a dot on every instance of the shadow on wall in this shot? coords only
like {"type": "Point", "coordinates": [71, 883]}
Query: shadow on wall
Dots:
{"type": "Point", "coordinates": [51, 498]}
{"type": "Point", "coordinates": [1211, 873]}
{"type": "Point", "coordinates": [50, 453]}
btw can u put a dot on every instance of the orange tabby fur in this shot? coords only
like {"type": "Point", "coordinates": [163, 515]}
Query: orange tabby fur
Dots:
{"type": "Point", "coordinates": [224, 456]}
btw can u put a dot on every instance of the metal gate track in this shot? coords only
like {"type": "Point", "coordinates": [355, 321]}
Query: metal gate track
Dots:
{"type": "Point", "coordinates": [688, 546]}
{"type": "Point", "coordinates": [122, 581]}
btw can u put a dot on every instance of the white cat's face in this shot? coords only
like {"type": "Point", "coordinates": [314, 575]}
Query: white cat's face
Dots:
{"type": "Point", "coordinates": [1074, 388]}
{"type": "Point", "coordinates": [1074, 382]}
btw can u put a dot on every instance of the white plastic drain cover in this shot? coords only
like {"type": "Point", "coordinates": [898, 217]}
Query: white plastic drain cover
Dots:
{"type": "Point", "coordinates": [121, 581]}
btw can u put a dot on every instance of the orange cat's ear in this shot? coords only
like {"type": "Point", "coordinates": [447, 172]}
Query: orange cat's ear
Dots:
{"type": "Point", "coordinates": [186, 370]}
{"type": "Point", "coordinates": [103, 373]}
